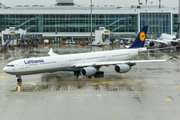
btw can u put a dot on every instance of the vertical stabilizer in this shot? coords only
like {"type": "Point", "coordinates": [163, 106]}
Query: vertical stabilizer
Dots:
{"type": "Point", "coordinates": [140, 39]}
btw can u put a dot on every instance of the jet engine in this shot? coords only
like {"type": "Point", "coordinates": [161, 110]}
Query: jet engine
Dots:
{"type": "Point", "coordinates": [151, 44]}
{"type": "Point", "coordinates": [88, 71]}
{"type": "Point", "coordinates": [122, 68]}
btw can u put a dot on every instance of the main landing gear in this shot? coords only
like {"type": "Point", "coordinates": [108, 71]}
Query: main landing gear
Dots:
{"type": "Point", "coordinates": [77, 73]}
{"type": "Point", "coordinates": [19, 80]}
{"type": "Point", "coordinates": [99, 74]}
{"type": "Point", "coordinates": [177, 48]}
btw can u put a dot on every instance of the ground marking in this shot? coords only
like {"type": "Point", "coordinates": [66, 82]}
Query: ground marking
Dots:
{"type": "Point", "coordinates": [102, 83]}
{"type": "Point", "coordinates": [168, 99]}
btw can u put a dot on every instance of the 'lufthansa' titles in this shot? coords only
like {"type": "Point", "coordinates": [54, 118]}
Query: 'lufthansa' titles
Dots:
{"type": "Point", "coordinates": [33, 61]}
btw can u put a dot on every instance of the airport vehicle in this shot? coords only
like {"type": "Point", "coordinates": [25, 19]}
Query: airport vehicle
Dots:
{"type": "Point", "coordinates": [87, 64]}
{"type": "Point", "coordinates": [46, 42]}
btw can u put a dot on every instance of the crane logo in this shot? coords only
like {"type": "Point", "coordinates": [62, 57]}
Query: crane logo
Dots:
{"type": "Point", "coordinates": [142, 36]}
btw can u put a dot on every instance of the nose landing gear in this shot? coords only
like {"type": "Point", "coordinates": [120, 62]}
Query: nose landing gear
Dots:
{"type": "Point", "coordinates": [19, 83]}
{"type": "Point", "coordinates": [19, 80]}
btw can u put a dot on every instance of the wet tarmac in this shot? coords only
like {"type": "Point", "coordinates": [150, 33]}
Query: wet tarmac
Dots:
{"type": "Point", "coordinates": [149, 91]}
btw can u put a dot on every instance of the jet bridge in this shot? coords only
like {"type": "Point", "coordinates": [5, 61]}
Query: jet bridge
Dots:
{"type": "Point", "coordinates": [9, 39]}
{"type": "Point", "coordinates": [12, 37]}
{"type": "Point", "coordinates": [102, 36]}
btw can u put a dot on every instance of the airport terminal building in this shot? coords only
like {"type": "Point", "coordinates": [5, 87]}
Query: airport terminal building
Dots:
{"type": "Point", "coordinates": [70, 20]}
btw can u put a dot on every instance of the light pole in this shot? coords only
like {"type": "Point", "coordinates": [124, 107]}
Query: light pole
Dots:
{"type": "Point", "coordinates": [179, 14]}
{"type": "Point", "coordinates": [177, 36]}
{"type": "Point", "coordinates": [91, 20]}
{"type": "Point", "coordinates": [159, 4]}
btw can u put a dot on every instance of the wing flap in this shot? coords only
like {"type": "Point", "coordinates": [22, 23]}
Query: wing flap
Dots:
{"type": "Point", "coordinates": [115, 63]}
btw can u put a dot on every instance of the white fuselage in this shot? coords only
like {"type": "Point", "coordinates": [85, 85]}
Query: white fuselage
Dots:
{"type": "Point", "coordinates": [168, 38]}
{"type": "Point", "coordinates": [66, 62]}
{"type": "Point", "coordinates": [165, 36]}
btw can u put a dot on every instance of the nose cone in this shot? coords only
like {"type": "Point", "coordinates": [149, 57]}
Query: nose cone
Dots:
{"type": "Point", "coordinates": [5, 69]}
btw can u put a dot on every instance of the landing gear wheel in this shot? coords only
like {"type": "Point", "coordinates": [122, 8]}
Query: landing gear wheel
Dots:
{"type": "Point", "coordinates": [99, 74]}
{"type": "Point", "coordinates": [19, 80]}
{"type": "Point", "coordinates": [177, 48]}
{"type": "Point", "coordinates": [102, 73]}
{"type": "Point", "coordinates": [77, 73]}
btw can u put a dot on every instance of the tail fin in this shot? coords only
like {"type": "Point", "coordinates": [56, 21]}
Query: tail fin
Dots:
{"type": "Point", "coordinates": [140, 39]}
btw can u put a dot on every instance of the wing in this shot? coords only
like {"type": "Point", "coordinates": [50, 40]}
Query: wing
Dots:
{"type": "Point", "coordinates": [159, 41]}
{"type": "Point", "coordinates": [51, 53]}
{"type": "Point", "coordinates": [114, 63]}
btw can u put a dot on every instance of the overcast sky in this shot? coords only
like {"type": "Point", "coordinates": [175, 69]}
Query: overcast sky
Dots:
{"type": "Point", "coordinates": [123, 3]}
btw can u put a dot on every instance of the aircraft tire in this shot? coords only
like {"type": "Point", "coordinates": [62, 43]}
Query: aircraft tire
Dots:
{"type": "Point", "coordinates": [102, 73]}
{"type": "Point", "coordinates": [19, 80]}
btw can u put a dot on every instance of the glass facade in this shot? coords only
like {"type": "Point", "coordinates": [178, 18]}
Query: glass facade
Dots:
{"type": "Point", "coordinates": [70, 22]}
{"type": "Point", "coordinates": [175, 22]}
{"type": "Point", "coordinates": [158, 22]}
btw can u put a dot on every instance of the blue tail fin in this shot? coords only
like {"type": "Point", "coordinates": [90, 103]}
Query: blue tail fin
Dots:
{"type": "Point", "coordinates": [140, 39]}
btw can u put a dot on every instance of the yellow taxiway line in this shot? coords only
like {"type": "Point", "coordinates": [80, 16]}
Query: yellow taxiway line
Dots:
{"type": "Point", "coordinates": [177, 87]}
{"type": "Point", "coordinates": [4, 76]}
{"type": "Point", "coordinates": [101, 83]}
{"type": "Point", "coordinates": [168, 99]}
{"type": "Point", "coordinates": [153, 67]}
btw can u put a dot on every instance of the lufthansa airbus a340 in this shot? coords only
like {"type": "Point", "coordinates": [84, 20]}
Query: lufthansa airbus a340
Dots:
{"type": "Point", "coordinates": [87, 64]}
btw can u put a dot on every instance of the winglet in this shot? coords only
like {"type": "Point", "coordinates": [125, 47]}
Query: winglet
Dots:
{"type": "Point", "coordinates": [51, 53]}
{"type": "Point", "coordinates": [140, 39]}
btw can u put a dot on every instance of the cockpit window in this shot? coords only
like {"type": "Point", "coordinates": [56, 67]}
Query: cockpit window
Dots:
{"type": "Point", "coordinates": [10, 66]}
{"type": "Point", "coordinates": [174, 39]}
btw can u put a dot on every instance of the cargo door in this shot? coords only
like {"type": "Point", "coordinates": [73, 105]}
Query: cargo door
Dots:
{"type": "Point", "coordinates": [62, 62]}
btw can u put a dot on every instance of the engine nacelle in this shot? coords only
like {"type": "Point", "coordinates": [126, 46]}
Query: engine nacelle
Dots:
{"type": "Point", "coordinates": [151, 44]}
{"type": "Point", "coordinates": [122, 68]}
{"type": "Point", "coordinates": [88, 71]}
{"type": "Point", "coordinates": [174, 43]}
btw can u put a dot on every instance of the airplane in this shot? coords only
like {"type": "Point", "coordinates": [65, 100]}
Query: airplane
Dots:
{"type": "Point", "coordinates": [99, 44]}
{"type": "Point", "coordinates": [94, 44]}
{"type": "Point", "coordinates": [165, 40]}
{"type": "Point", "coordinates": [86, 64]}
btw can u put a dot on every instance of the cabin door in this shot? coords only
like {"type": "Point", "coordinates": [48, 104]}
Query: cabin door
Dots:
{"type": "Point", "coordinates": [21, 66]}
